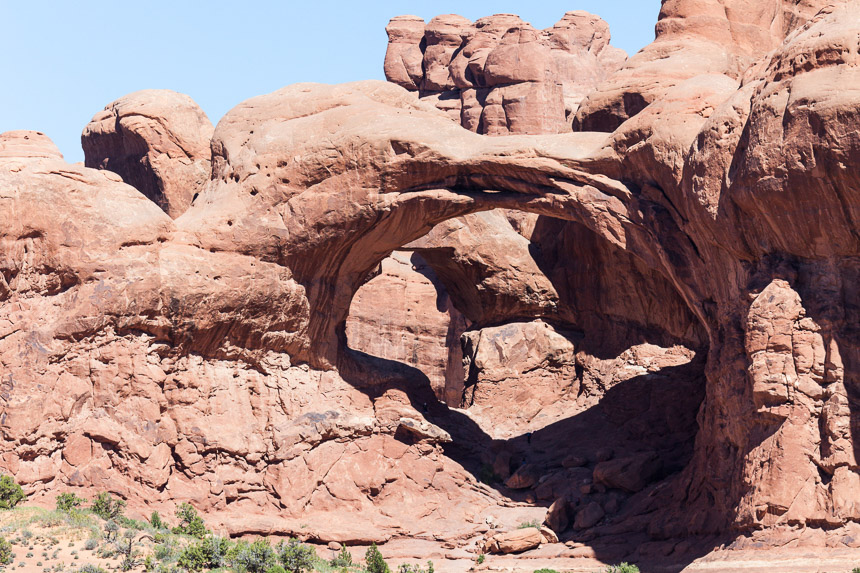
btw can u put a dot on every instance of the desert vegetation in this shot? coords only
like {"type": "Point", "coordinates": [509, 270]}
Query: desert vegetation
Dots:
{"type": "Point", "coordinates": [95, 536]}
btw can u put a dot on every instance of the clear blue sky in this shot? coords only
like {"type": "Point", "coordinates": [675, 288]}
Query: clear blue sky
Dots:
{"type": "Point", "coordinates": [63, 61]}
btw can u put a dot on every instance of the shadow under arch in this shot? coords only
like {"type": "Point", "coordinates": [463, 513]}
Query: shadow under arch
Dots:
{"type": "Point", "coordinates": [669, 428]}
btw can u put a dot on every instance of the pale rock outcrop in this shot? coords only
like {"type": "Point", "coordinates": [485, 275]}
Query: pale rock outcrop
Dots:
{"type": "Point", "coordinates": [692, 38]}
{"type": "Point", "coordinates": [157, 141]}
{"type": "Point", "coordinates": [27, 144]}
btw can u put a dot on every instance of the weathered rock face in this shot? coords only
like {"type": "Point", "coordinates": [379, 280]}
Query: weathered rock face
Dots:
{"type": "Point", "coordinates": [405, 314]}
{"type": "Point", "coordinates": [693, 38]}
{"type": "Point", "coordinates": [206, 358]}
{"type": "Point", "coordinates": [500, 75]}
{"type": "Point", "coordinates": [28, 144]}
{"type": "Point", "coordinates": [157, 141]}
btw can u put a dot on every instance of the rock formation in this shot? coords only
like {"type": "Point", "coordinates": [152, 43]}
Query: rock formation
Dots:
{"type": "Point", "coordinates": [499, 75]}
{"type": "Point", "coordinates": [157, 141]}
{"type": "Point", "coordinates": [664, 346]}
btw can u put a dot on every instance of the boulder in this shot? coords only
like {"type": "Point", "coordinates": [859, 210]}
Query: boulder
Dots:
{"type": "Point", "coordinates": [523, 478]}
{"type": "Point", "coordinates": [515, 541]}
{"type": "Point", "coordinates": [630, 473]}
{"type": "Point", "coordinates": [558, 516]}
{"type": "Point", "coordinates": [588, 516]}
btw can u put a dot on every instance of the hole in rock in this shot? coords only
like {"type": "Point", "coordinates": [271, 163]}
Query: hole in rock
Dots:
{"type": "Point", "coordinates": [561, 366]}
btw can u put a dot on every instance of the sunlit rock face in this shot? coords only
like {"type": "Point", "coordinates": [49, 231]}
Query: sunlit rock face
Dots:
{"type": "Point", "coordinates": [656, 321]}
{"type": "Point", "coordinates": [499, 75]}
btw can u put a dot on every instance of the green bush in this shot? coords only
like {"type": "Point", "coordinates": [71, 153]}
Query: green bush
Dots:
{"type": "Point", "coordinates": [545, 571]}
{"type": "Point", "coordinates": [374, 561]}
{"type": "Point", "coordinates": [5, 551]}
{"type": "Point", "coordinates": [107, 507]}
{"type": "Point", "coordinates": [408, 568]}
{"type": "Point", "coordinates": [526, 524]}
{"type": "Point", "coordinates": [276, 569]}
{"type": "Point", "coordinates": [111, 530]}
{"type": "Point", "coordinates": [68, 501]}
{"type": "Point", "coordinates": [256, 557]}
{"type": "Point", "coordinates": [91, 569]}
{"type": "Point", "coordinates": [189, 522]}
{"type": "Point", "coordinates": [623, 568]}
{"type": "Point", "coordinates": [156, 521]}
{"type": "Point", "coordinates": [208, 553]}
{"type": "Point", "coordinates": [295, 556]}
{"type": "Point", "coordinates": [481, 558]}
{"type": "Point", "coordinates": [163, 551]}
{"type": "Point", "coordinates": [11, 493]}
{"type": "Point", "coordinates": [342, 559]}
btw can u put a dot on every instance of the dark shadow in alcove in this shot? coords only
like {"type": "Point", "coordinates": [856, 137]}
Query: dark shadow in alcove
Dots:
{"type": "Point", "coordinates": [831, 297]}
{"type": "Point", "coordinates": [655, 412]}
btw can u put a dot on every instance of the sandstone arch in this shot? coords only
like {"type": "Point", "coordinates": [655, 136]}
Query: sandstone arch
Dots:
{"type": "Point", "coordinates": [739, 189]}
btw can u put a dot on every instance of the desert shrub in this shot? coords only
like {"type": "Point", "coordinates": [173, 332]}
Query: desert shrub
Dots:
{"type": "Point", "coordinates": [26, 534]}
{"type": "Point", "coordinates": [111, 530]}
{"type": "Point", "coordinates": [156, 521]}
{"type": "Point", "coordinates": [255, 557]}
{"type": "Point", "coordinates": [91, 544]}
{"type": "Point", "coordinates": [132, 523]}
{"type": "Point", "coordinates": [208, 553]}
{"type": "Point", "coordinates": [163, 551]}
{"type": "Point", "coordinates": [545, 571]}
{"type": "Point", "coordinates": [342, 559]}
{"type": "Point", "coordinates": [189, 522]}
{"type": "Point", "coordinates": [276, 569]}
{"type": "Point", "coordinates": [623, 568]}
{"type": "Point", "coordinates": [410, 568]}
{"type": "Point", "coordinates": [374, 561]}
{"type": "Point", "coordinates": [5, 551]}
{"type": "Point", "coordinates": [295, 556]}
{"type": "Point", "coordinates": [481, 558]}
{"type": "Point", "coordinates": [526, 524]}
{"type": "Point", "coordinates": [68, 501]}
{"type": "Point", "coordinates": [11, 493]}
{"type": "Point", "coordinates": [107, 507]}
{"type": "Point", "coordinates": [88, 568]}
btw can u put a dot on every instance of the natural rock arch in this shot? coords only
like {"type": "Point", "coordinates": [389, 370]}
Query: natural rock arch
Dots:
{"type": "Point", "coordinates": [343, 175]}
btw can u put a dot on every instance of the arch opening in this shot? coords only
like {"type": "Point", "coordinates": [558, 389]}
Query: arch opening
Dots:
{"type": "Point", "coordinates": [548, 354]}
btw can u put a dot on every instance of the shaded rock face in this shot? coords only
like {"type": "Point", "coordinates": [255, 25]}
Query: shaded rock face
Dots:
{"type": "Point", "coordinates": [499, 75]}
{"type": "Point", "coordinates": [205, 358]}
{"type": "Point", "coordinates": [157, 141]}
{"type": "Point", "coordinates": [405, 314]}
